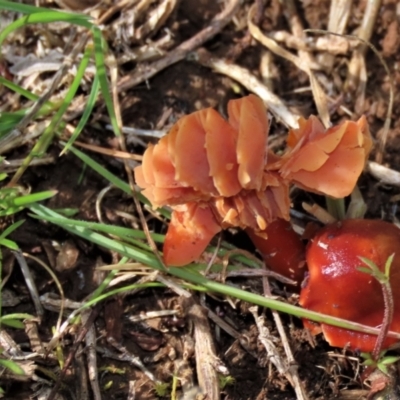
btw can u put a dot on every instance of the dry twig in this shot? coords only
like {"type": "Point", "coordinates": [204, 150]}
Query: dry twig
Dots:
{"type": "Point", "coordinates": [78, 341]}
{"type": "Point", "coordinates": [81, 386]}
{"type": "Point", "coordinates": [251, 83]}
{"type": "Point", "coordinates": [9, 346]}
{"type": "Point", "coordinates": [384, 174]}
{"type": "Point", "coordinates": [12, 165]}
{"type": "Point", "coordinates": [179, 53]}
{"type": "Point", "coordinates": [304, 63]}
{"type": "Point", "coordinates": [30, 282]}
{"type": "Point", "coordinates": [356, 76]}
{"type": "Point", "coordinates": [264, 336]}
{"type": "Point", "coordinates": [206, 358]}
{"type": "Point", "coordinates": [91, 356]}
{"type": "Point", "coordinates": [127, 357]}
{"type": "Point", "coordinates": [152, 314]}
{"type": "Point", "coordinates": [291, 372]}
{"type": "Point", "coordinates": [32, 331]}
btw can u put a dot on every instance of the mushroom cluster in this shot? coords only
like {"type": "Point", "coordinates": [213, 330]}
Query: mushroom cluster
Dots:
{"type": "Point", "coordinates": [216, 173]}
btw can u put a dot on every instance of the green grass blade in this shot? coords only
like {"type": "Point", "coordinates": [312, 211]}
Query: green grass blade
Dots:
{"type": "Point", "coordinates": [138, 254]}
{"type": "Point", "coordinates": [86, 114]}
{"type": "Point", "coordinates": [12, 366]}
{"type": "Point", "coordinates": [50, 130]}
{"type": "Point", "coordinates": [119, 231]}
{"type": "Point", "coordinates": [9, 120]}
{"type": "Point", "coordinates": [95, 300]}
{"type": "Point", "coordinates": [48, 134]}
{"type": "Point", "coordinates": [9, 244]}
{"type": "Point", "coordinates": [13, 323]}
{"type": "Point", "coordinates": [28, 9]}
{"type": "Point", "coordinates": [103, 286]}
{"type": "Point", "coordinates": [11, 229]}
{"type": "Point", "coordinates": [16, 316]}
{"type": "Point", "coordinates": [117, 182]}
{"type": "Point", "coordinates": [191, 276]}
{"type": "Point", "coordinates": [18, 89]}
{"type": "Point", "coordinates": [36, 15]}
{"type": "Point", "coordinates": [100, 49]}
{"type": "Point", "coordinates": [48, 106]}
{"type": "Point", "coordinates": [23, 201]}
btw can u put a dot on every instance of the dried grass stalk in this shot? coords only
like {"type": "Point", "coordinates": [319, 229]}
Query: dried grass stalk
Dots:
{"type": "Point", "coordinates": [303, 64]}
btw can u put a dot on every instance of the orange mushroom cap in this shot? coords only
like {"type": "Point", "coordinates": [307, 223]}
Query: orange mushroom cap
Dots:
{"type": "Point", "coordinates": [218, 164]}
{"type": "Point", "coordinates": [248, 116]}
{"type": "Point", "coordinates": [189, 232]}
{"type": "Point", "coordinates": [327, 162]}
{"type": "Point", "coordinates": [336, 287]}
{"type": "Point", "coordinates": [225, 166]}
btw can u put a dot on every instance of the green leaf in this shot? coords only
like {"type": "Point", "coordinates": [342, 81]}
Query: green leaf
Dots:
{"type": "Point", "coordinates": [23, 201]}
{"type": "Point", "coordinates": [119, 231]}
{"type": "Point", "coordinates": [370, 264]}
{"type": "Point", "coordinates": [369, 362]}
{"type": "Point", "coordinates": [16, 316]}
{"type": "Point", "coordinates": [67, 212]}
{"type": "Point", "coordinates": [100, 48]}
{"type": "Point", "coordinates": [388, 264]}
{"type": "Point", "coordinates": [11, 228]}
{"type": "Point", "coordinates": [10, 211]}
{"type": "Point", "coordinates": [383, 368]}
{"type": "Point", "coordinates": [86, 114]}
{"type": "Point", "coordinates": [12, 323]}
{"type": "Point", "coordinates": [12, 320]}
{"type": "Point", "coordinates": [389, 360]}
{"type": "Point", "coordinates": [365, 270]}
{"type": "Point", "coordinates": [9, 244]}
{"type": "Point", "coordinates": [12, 366]}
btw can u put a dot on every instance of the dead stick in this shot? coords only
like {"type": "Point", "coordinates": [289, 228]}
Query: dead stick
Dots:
{"type": "Point", "coordinates": [180, 52]}
{"type": "Point", "coordinates": [292, 374]}
{"type": "Point", "coordinates": [84, 330]}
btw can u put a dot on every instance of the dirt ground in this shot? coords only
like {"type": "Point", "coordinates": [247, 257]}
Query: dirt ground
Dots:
{"type": "Point", "coordinates": [181, 88]}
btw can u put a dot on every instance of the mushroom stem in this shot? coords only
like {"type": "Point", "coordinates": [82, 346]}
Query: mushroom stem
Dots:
{"type": "Point", "coordinates": [336, 207]}
{"type": "Point", "coordinates": [282, 250]}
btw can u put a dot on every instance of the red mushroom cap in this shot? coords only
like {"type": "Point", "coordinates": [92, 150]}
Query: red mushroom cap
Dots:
{"type": "Point", "coordinates": [336, 287]}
